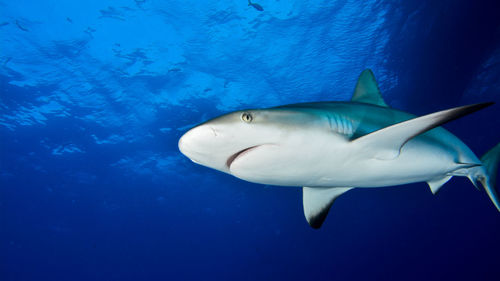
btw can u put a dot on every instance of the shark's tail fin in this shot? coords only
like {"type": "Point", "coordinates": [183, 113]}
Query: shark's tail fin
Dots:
{"type": "Point", "coordinates": [490, 162]}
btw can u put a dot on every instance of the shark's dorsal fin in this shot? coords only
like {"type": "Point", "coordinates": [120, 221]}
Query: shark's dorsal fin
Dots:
{"type": "Point", "coordinates": [367, 90]}
{"type": "Point", "coordinates": [317, 202]}
{"type": "Point", "coordinates": [386, 143]}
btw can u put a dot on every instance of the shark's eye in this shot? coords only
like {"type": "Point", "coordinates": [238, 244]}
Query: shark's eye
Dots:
{"type": "Point", "coordinates": [246, 117]}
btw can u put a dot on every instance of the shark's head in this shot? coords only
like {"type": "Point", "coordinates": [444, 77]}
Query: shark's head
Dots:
{"type": "Point", "coordinates": [253, 144]}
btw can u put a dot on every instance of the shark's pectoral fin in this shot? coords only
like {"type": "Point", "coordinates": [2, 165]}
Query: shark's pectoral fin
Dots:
{"type": "Point", "coordinates": [386, 143]}
{"type": "Point", "coordinates": [436, 184]}
{"type": "Point", "coordinates": [366, 90]}
{"type": "Point", "coordinates": [317, 202]}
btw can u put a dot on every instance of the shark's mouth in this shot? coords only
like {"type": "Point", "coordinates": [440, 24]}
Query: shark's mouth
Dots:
{"type": "Point", "coordinates": [239, 154]}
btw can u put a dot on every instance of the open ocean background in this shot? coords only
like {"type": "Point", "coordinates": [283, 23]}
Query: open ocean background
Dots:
{"type": "Point", "coordinates": [94, 96]}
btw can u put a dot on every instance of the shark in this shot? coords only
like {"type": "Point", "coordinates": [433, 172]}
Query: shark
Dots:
{"type": "Point", "coordinates": [329, 148]}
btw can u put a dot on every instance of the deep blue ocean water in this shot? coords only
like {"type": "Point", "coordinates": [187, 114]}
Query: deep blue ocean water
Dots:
{"type": "Point", "coordinates": [94, 96]}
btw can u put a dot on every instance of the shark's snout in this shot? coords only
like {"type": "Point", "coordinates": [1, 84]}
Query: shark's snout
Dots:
{"type": "Point", "coordinates": [194, 142]}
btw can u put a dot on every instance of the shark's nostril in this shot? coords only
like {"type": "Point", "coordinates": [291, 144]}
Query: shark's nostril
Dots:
{"type": "Point", "coordinates": [214, 131]}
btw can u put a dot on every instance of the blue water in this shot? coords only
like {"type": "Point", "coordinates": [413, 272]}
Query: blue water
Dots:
{"type": "Point", "coordinates": [94, 96]}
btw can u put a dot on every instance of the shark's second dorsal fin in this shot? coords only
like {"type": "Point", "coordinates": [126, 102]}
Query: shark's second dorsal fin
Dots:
{"type": "Point", "coordinates": [367, 89]}
{"type": "Point", "coordinates": [317, 202]}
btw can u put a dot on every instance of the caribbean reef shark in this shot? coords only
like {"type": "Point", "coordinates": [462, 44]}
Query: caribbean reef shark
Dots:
{"type": "Point", "coordinates": [329, 148]}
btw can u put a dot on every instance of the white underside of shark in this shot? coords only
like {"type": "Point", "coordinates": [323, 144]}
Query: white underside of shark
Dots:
{"type": "Point", "coordinates": [329, 148]}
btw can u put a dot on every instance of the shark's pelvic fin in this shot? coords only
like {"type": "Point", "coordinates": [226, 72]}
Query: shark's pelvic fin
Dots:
{"type": "Point", "coordinates": [386, 143]}
{"type": "Point", "coordinates": [436, 184]}
{"type": "Point", "coordinates": [317, 202]}
{"type": "Point", "coordinates": [367, 90]}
